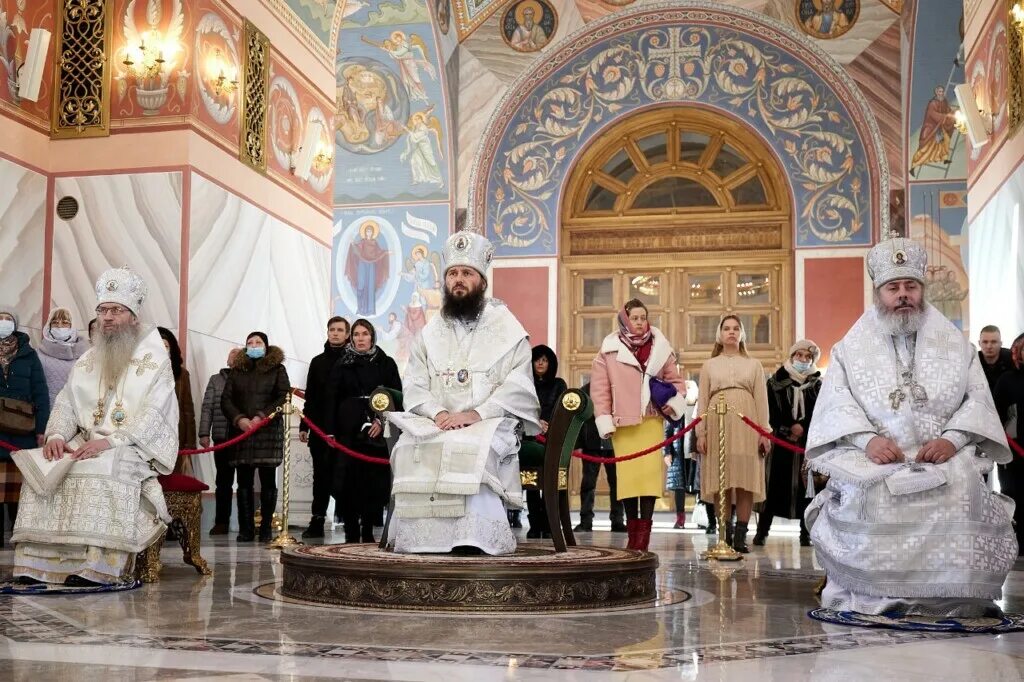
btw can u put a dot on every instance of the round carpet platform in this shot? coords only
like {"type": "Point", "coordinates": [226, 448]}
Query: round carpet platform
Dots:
{"type": "Point", "coordinates": [535, 578]}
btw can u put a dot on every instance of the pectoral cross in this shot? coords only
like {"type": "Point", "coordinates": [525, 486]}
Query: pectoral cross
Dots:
{"type": "Point", "coordinates": [145, 363]}
{"type": "Point", "coordinates": [896, 398]}
{"type": "Point", "coordinates": [447, 376]}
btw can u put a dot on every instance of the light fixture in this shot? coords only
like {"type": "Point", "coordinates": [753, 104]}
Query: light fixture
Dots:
{"type": "Point", "coordinates": [324, 157]}
{"type": "Point", "coordinates": [146, 61]}
{"type": "Point", "coordinates": [221, 83]}
{"type": "Point", "coordinates": [303, 159]}
{"type": "Point", "coordinates": [970, 119]}
{"type": "Point", "coordinates": [1017, 15]}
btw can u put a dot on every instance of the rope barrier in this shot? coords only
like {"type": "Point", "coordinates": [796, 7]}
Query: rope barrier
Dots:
{"type": "Point", "coordinates": [1017, 449]}
{"type": "Point", "coordinates": [234, 441]}
{"type": "Point", "coordinates": [338, 446]}
{"type": "Point", "coordinates": [646, 451]}
{"type": "Point", "coordinates": [770, 436]}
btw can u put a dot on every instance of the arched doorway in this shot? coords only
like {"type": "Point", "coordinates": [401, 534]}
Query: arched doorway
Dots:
{"type": "Point", "coordinates": [688, 210]}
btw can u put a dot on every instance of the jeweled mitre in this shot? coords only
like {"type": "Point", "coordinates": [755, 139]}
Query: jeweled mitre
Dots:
{"type": "Point", "coordinates": [468, 248]}
{"type": "Point", "coordinates": [897, 258]}
{"type": "Point", "coordinates": [122, 286]}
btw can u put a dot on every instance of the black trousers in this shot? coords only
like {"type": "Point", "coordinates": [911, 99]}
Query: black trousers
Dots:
{"type": "Point", "coordinates": [247, 477]}
{"type": "Point", "coordinates": [225, 479]}
{"type": "Point", "coordinates": [1011, 482]}
{"type": "Point", "coordinates": [324, 460]}
{"type": "Point", "coordinates": [588, 488]}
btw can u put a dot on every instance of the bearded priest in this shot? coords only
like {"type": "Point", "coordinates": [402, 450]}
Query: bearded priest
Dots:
{"type": "Point", "coordinates": [469, 398]}
{"type": "Point", "coordinates": [90, 500]}
{"type": "Point", "coordinates": [905, 427]}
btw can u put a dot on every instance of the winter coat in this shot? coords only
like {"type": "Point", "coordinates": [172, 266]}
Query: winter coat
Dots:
{"type": "Point", "coordinates": [25, 381]}
{"type": "Point", "coordinates": [589, 441]}
{"type": "Point", "coordinates": [212, 422]}
{"type": "Point", "coordinates": [256, 387]}
{"type": "Point", "coordinates": [1010, 393]}
{"type": "Point", "coordinates": [780, 403]}
{"type": "Point", "coordinates": [186, 411]}
{"type": "Point", "coordinates": [549, 388]}
{"type": "Point", "coordinates": [621, 390]}
{"type": "Point", "coordinates": [317, 406]}
{"type": "Point", "coordinates": [57, 359]}
{"type": "Point", "coordinates": [786, 485]}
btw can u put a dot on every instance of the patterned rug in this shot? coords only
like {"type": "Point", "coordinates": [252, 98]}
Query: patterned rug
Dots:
{"type": "Point", "coordinates": [11, 588]}
{"type": "Point", "coordinates": [1011, 622]}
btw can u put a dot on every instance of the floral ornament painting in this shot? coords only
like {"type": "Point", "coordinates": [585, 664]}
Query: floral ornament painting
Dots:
{"type": "Point", "coordinates": [826, 19]}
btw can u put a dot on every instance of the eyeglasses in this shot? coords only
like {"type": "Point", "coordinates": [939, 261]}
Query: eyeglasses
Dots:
{"type": "Point", "coordinates": [114, 310]}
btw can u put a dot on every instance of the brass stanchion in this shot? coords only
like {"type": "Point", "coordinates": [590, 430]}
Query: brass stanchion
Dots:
{"type": "Point", "coordinates": [284, 538]}
{"type": "Point", "coordinates": [722, 551]}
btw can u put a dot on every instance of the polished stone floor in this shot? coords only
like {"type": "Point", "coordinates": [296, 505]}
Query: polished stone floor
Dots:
{"type": "Point", "coordinates": [744, 621]}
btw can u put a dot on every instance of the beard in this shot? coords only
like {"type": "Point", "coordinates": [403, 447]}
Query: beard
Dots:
{"type": "Point", "coordinates": [115, 349]}
{"type": "Point", "coordinates": [465, 308]}
{"type": "Point", "coordinates": [900, 322]}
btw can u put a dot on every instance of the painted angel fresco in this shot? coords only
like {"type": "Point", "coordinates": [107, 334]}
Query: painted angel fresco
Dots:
{"type": "Point", "coordinates": [423, 268]}
{"type": "Point", "coordinates": [410, 53]}
{"type": "Point", "coordinates": [419, 148]}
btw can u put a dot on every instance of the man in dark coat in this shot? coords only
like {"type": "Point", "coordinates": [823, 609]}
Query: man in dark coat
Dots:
{"type": "Point", "coordinates": [995, 360]}
{"type": "Point", "coordinates": [591, 443]}
{"type": "Point", "coordinates": [1009, 398]}
{"type": "Point", "coordinates": [317, 409]}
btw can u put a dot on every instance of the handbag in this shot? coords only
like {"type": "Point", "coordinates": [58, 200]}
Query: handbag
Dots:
{"type": "Point", "coordinates": [17, 417]}
{"type": "Point", "coordinates": [661, 392]}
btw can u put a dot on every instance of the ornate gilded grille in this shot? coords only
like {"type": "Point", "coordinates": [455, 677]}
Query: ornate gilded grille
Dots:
{"type": "Point", "coordinates": [81, 107]}
{"type": "Point", "coordinates": [1015, 66]}
{"type": "Point", "coordinates": [255, 86]}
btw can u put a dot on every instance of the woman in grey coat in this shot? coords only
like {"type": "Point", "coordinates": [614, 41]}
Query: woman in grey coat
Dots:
{"type": "Point", "coordinates": [59, 349]}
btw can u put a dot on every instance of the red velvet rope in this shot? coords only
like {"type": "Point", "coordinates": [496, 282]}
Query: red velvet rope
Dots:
{"type": "Point", "coordinates": [654, 448]}
{"type": "Point", "coordinates": [338, 446]}
{"type": "Point", "coordinates": [1017, 449]}
{"type": "Point", "coordinates": [770, 436]}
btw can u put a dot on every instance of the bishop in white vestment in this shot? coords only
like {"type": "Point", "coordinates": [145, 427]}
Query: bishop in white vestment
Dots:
{"type": "Point", "coordinates": [469, 398]}
{"type": "Point", "coordinates": [90, 499]}
{"type": "Point", "coordinates": [905, 427]}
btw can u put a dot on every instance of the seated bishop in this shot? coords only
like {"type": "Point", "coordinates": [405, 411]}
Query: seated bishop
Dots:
{"type": "Point", "coordinates": [905, 428]}
{"type": "Point", "coordinates": [90, 499]}
{"type": "Point", "coordinates": [469, 399]}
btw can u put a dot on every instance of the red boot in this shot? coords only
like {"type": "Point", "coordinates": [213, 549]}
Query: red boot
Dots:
{"type": "Point", "coordinates": [680, 520]}
{"type": "Point", "coordinates": [643, 534]}
{"type": "Point", "coordinates": [631, 530]}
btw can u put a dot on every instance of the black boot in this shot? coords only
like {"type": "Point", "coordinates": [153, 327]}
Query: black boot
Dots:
{"type": "Point", "coordinates": [712, 519]}
{"type": "Point", "coordinates": [739, 542]}
{"type": "Point", "coordinates": [315, 528]}
{"type": "Point", "coordinates": [351, 522]}
{"type": "Point", "coordinates": [268, 502]}
{"type": "Point", "coordinates": [366, 531]}
{"type": "Point", "coordinates": [764, 523]}
{"type": "Point", "coordinates": [514, 520]}
{"type": "Point", "coordinates": [246, 524]}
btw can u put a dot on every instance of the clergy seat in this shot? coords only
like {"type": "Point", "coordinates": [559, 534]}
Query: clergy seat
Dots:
{"type": "Point", "coordinates": [183, 495]}
{"type": "Point", "coordinates": [542, 466]}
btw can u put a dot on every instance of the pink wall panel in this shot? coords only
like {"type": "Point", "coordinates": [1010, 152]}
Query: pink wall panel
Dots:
{"type": "Point", "coordinates": [833, 299]}
{"type": "Point", "coordinates": [525, 291]}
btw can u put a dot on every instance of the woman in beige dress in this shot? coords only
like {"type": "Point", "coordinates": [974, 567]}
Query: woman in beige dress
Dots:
{"type": "Point", "coordinates": [732, 373]}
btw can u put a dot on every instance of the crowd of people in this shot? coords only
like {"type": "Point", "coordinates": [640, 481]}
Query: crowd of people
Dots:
{"type": "Point", "coordinates": [904, 410]}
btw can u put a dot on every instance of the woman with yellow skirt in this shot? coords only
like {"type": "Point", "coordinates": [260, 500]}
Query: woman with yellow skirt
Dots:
{"type": "Point", "coordinates": [737, 377]}
{"type": "Point", "coordinates": [633, 361]}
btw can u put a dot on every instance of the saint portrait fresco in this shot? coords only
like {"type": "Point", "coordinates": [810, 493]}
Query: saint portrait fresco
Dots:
{"type": "Point", "coordinates": [444, 15]}
{"type": "Point", "coordinates": [826, 19]}
{"type": "Point", "coordinates": [529, 25]}
{"type": "Point", "coordinates": [373, 106]}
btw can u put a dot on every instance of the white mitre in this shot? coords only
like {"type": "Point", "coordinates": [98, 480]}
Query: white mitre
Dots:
{"type": "Point", "coordinates": [121, 286]}
{"type": "Point", "coordinates": [897, 258]}
{"type": "Point", "coordinates": [468, 248]}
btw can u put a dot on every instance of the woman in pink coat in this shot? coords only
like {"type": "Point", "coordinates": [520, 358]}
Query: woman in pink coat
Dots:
{"type": "Point", "coordinates": [620, 386]}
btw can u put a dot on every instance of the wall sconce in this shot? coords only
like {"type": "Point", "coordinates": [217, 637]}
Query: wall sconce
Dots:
{"type": "Point", "coordinates": [1017, 16]}
{"type": "Point", "coordinates": [221, 83]}
{"type": "Point", "coordinates": [324, 157]}
{"type": "Point", "coordinates": [147, 60]}
{"type": "Point", "coordinates": [970, 119]}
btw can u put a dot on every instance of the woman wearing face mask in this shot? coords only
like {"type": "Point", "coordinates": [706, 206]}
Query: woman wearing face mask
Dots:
{"type": "Point", "coordinates": [740, 378]}
{"type": "Point", "coordinates": [362, 487]}
{"type": "Point", "coordinates": [59, 350]}
{"type": "Point", "coordinates": [256, 386]}
{"type": "Point", "coordinates": [25, 408]}
{"type": "Point", "coordinates": [792, 392]}
{"type": "Point", "coordinates": [625, 411]}
{"type": "Point", "coordinates": [186, 408]}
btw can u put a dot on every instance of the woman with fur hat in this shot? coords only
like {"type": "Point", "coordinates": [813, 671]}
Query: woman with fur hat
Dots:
{"type": "Point", "coordinates": [740, 378]}
{"type": "Point", "coordinates": [59, 350]}
{"type": "Point", "coordinates": [792, 392]}
{"type": "Point", "coordinates": [256, 386]}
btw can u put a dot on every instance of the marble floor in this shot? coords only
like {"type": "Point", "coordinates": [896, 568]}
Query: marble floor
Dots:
{"type": "Point", "coordinates": [744, 621]}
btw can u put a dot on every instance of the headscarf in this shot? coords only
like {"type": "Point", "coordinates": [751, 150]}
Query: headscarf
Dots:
{"type": "Point", "coordinates": [72, 340]}
{"type": "Point", "coordinates": [800, 383]}
{"type": "Point", "coordinates": [1017, 352]}
{"type": "Point", "coordinates": [8, 346]}
{"type": "Point", "coordinates": [352, 355]}
{"type": "Point", "coordinates": [639, 344]}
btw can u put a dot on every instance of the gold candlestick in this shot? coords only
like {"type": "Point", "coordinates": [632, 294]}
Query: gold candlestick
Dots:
{"type": "Point", "coordinates": [284, 539]}
{"type": "Point", "coordinates": [722, 551]}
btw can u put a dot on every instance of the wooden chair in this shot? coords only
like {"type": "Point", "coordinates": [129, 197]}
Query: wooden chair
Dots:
{"type": "Point", "coordinates": [543, 467]}
{"type": "Point", "coordinates": [183, 495]}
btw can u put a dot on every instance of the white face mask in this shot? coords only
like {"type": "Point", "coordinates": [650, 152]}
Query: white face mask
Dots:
{"type": "Point", "coordinates": [802, 367]}
{"type": "Point", "coordinates": [61, 333]}
{"type": "Point", "coordinates": [6, 328]}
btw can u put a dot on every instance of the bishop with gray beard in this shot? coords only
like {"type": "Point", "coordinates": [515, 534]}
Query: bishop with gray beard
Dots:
{"type": "Point", "coordinates": [905, 427]}
{"type": "Point", "coordinates": [90, 501]}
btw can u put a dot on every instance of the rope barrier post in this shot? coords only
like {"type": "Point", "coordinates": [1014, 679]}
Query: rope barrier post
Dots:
{"type": "Point", "coordinates": [284, 538]}
{"type": "Point", "coordinates": [722, 551]}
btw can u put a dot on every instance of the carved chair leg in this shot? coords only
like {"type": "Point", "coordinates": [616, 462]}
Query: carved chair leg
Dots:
{"type": "Point", "coordinates": [190, 535]}
{"type": "Point", "coordinates": [563, 514]}
{"type": "Point", "coordinates": [147, 562]}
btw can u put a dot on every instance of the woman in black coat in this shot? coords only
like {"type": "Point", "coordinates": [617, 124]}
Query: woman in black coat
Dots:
{"type": "Point", "coordinates": [362, 487]}
{"type": "Point", "coordinates": [1009, 396]}
{"type": "Point", "coordinates": [792, 392]}
{"type": "Point", "coordinates": [549, 387]}
{"type": "Point", "coordinates": [256, 386]}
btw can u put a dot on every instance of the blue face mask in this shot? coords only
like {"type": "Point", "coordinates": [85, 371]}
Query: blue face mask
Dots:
{"type": "Point", "coordinates": [802, 367]}
{"type": "Point", "coordinates": [6, 328]}
{"type": "Point", "coordinates": [255, 353]}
